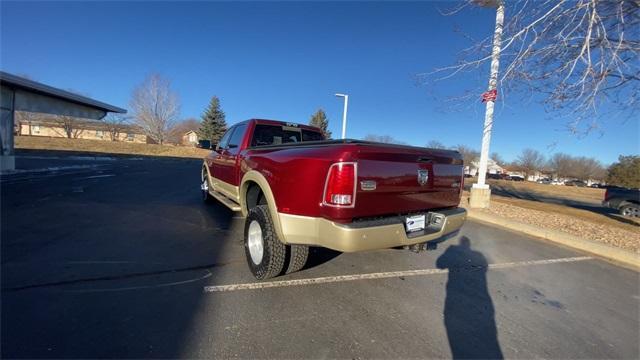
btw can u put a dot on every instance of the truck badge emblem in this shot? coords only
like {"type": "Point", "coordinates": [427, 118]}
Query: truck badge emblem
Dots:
{"type": "Point", "coordinates": [368, 185]}
{"type": "Point", "coordinates": [423, 177]}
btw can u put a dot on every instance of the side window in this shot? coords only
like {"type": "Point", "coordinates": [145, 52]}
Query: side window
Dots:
{"type": "Point", "coordinates": [236, 138]}
{"type": "Point", "coordinates": [225, 139]}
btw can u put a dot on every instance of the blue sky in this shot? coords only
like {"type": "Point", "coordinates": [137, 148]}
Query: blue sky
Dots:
{"type": "Point", "coordinates": [284, 61]}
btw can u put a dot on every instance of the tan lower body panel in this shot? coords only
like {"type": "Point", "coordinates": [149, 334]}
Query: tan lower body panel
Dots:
{"type": "Point", "coordinates": [227, 194]}
{"type": "Point", "coordinates": [322, 232]}
{"type": "Point", "coordinates": [230, 191]}
{"type": "Point", "coordinates": [233, 206]}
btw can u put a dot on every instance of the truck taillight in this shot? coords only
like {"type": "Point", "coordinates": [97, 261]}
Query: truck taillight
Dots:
{"type": "Point", "coordinates": [340, 186]}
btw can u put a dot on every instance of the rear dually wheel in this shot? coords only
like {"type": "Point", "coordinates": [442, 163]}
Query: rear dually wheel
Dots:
{"type": "Point", "coordinates": [264, 251]}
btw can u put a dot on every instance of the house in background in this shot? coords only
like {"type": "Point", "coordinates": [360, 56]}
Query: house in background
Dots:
{"type": "Point", "coordinates": [492, 168]}
{"type": "Point", "coordinates": [190, 138]}
{"type": "Point", "coordinates": [540, 175]}
{"type": "Point", "coordinates": [77, 128]}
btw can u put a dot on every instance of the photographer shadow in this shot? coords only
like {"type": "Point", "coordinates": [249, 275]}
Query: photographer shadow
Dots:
{"type": "Point", "coordinates": [469, 315]}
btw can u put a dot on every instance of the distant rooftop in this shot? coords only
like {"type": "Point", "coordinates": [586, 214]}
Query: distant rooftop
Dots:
{"type": "Point", "coordinates": [26, 84]}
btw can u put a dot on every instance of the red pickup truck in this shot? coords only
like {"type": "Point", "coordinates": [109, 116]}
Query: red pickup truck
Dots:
{"type": "Point", "coordinates": [297, 189]}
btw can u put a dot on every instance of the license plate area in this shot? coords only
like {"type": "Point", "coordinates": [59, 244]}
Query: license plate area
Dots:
{"type": "Point", "coordinates": [415, 223]}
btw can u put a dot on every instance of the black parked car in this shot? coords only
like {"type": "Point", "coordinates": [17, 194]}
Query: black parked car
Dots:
{"type": "Point", "coordinates": [495, 176]}
{"type": "Point", "coordinates": [204, 144]}
{"type": "Point", "coordinates": [579, 183]}
{"type": "Point", "coordinates": [626, 201]}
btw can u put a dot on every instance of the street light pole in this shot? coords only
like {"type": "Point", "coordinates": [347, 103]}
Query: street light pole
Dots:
{"type": "Point", "coordinates": [344, 114]}
{"type": "Point", "coordinates": [480, 192]}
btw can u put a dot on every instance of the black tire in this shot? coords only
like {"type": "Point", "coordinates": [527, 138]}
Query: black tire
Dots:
{"type": "Point", "coordinates": [204, 182]}
{"type": "Point", "coordinates": [274, 250]}
{"type": "Point", "coordinates": [630, 210]}
{"type": "Point", "coordinates": [298, 258]}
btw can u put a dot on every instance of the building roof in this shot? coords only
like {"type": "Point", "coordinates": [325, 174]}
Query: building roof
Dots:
{"type": "Point", "coordinates": [189, 132]}
{"type": "Point", "coordinates": [490, 163]}
{"type": "Point", "coordinates": [29, 85]}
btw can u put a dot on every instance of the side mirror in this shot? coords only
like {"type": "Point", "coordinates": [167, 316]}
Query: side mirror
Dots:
{"type": "Point", "coordinates": [213, 146]}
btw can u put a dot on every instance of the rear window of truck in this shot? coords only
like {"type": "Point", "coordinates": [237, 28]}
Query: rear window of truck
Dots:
{"type": "Point", "coordinates": [264, 135]}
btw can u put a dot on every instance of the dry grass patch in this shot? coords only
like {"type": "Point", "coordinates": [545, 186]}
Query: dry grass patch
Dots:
{"type": "Point", "coordinates": [616, 220]}
{"type": "Point", "coordinates": [572, 193]}
{"type": "Point", "coordinates": [606, 228]}
{"type": "Point", "coordinates": [107, 147]}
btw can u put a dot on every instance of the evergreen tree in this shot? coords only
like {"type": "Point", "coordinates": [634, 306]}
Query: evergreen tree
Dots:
{"type": "Point", "coordinates": [319, 120]}
{"type": "Point", "coordinates": [626, 172]}
{"type": "Point", "coordinates": [213, 122]}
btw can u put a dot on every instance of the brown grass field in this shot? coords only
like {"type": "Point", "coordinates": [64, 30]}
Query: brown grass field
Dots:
{"type": "Point", "coordinates": [572, 193]}
{"type": "Point", "coordinates": [107, 147]}
{"type": "Point", "coordinates": [580, 202]}
{"type": "Point", "coordinates": [591, 216]}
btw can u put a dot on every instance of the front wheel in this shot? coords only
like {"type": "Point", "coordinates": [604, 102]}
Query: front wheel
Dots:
{"type": "Point", "coordinates": [204, 187]}
{"type": "Point", "coordinates": [264, 251]}
{"type": "Point", "coordinates": [630, 210]}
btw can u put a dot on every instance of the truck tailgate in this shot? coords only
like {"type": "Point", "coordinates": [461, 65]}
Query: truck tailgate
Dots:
{"type": "Point", "coordinates": [397, 180]}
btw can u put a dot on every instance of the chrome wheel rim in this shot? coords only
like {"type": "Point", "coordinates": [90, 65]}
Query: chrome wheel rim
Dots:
{"type": "Point", "coordinates": [204, 186]}
{"type": "Point", "coordinates": [630, 211]}
{"type": "Point", "coordinates": [255, 243]}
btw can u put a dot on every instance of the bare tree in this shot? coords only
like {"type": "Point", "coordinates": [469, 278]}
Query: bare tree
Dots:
{"type": "Point", "coordinates": [469, 155]}
{"type": "Point", "coordinates": [435, 144]}
{"type": "Point", "coordinates": [67, 126]}
{"type": "Point", "coordinates": [383, 139]}
{"type": "Point", "coordinates": [181, 128]}
{"type": "Point", "coordinates": [115, 124]}
{"type": "Point", "coordinates": [581, 167]}
{"type": "Point", "coordinates": [581, 55]}
{"type": "Point", "coordinates": [530, 160]}
{"type": "Point", "coordinates": [588, 169]}
{"type": "Point", "coordinates": [562, 165]}
{"type": "Point", "coordinates": [498, 159]}
{"type": "Point", "coordinates": [156, 107]}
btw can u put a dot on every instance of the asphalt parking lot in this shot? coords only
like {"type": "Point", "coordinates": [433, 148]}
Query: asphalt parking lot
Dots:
{"type": "Point", "coordinates": [120, 258]}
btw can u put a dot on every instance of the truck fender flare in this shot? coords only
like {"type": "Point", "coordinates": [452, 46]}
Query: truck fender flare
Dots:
{"type": "Point", "coordinates": [258, 178]}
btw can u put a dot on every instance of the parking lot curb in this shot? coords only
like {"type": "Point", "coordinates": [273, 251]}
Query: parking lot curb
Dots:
{"type": "Point", "coordinates": [624, 257]}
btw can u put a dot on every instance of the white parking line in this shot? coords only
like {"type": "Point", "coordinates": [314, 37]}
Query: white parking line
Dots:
{"type": "Point", "coordinates": [380, 275]}
{"type": "Point", "coordinates": [97, 176]}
